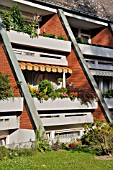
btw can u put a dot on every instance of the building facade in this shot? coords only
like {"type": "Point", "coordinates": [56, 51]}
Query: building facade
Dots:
{"type": "Point", "coordinates": [84, 60]}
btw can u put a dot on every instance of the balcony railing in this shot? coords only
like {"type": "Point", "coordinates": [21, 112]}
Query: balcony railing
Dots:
{"type": "Point", "coordinates": [92, 50]}
{"type": "Point", "coordinates": [109, 102]}
{"type": "Point", "coordinates": [39, 42]}
{"type": "Point", "coordinates": [64, 112]}
{"type": "Point", "coordinates": [11, 104]}
{"type": "Point", "coordinates": [9, 122]}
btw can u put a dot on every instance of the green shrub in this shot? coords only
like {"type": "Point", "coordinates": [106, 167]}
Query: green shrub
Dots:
{"type": "Point", "coordinates": [79, 40]}
{"type": "Point", "coordinates": [21, 152]}
{"type": "Point", "coordinates": [13, 20]}
{"type": "Point", "coordinates": [5, 87]}
{"type": "Point", "coordinates": [108, 94]}
{"type": "Point", "coordinates": [4, 153]}
{"type": "Point", "coordinates": [88, 149]}
{"type": "Point", "coordinates": [61, 37]}
{"type": "Point", "coordinates": [100, 136]}
{"type": "Point", "coordinates": [44, 34]}
{"type": "Point", "coordinates": [41, 143]}
{"type": "Point", "coordinates": [45, 87]}
{"type": "Point", "coordinates": [60, 79]}
{"type": "Point", "coordinates": [62, 89]}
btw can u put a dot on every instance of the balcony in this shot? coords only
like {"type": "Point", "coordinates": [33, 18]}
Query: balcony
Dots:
{"type": "Point", "coordinates": [63, 104]}
{"type": "Point", "coordinates": [40, 42]}
{"type": "Point", "coordinates": [11, 104]}
{"type": "Point", "coordinates": [66, 119]}
{"type": "Point", "coordinates": [92, 50]}
{"type": "Point", "coordinates": [109, 102]}
{"type": "Point", "coordinates": [64, 112]}
{"type": "Point", "coordinates": [9, 122]}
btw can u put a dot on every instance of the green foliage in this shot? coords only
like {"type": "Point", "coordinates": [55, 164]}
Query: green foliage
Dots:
{"type": "Point", "coordinates": [99, 135]}
{"type": "Point", "coordinates": [6, 19]}
{"type": "Point", "coordinates": [5, 87]}
{"type": "Point", "coordinates": [109, 93]}
{"type": "Point", "coordinates": [17, 20]}
{"type": "Point", "coordinates": [88, 149]}
{"type": "Point", "coordinates": [53, 95]}
{"type": "Point", "coordinates": [57, 145]}
{"type": "Point", "coordinates": [13, 20]}
{"type": "Point", "coordinates": [60, 80]}
{"type": "Point", "coordinates": [60, 37]}
{"type": "Point", "coordinates": [12, 153]}
{"type": "Point", "coordinates": [44, 34]}
{"type": "Point", "coordinates": [45, 87]}
{"type": "Point", "coordinates": [4, 152]}
{"type": "Point", "coordinates": [46, 90]}
{"type": "Point", "coordinates": [79, 40]}
{"type": "Point", "coordinates": [21, 152]}
{"type": "Point", "coordinates": [41, 144]}
{"type": "Point", "coordinates": [62, 89]}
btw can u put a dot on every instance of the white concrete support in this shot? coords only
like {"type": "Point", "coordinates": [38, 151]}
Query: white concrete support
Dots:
{"type": "Point", "coordinates": [101, 84]}
{"type": "Point", "coordinates": [112, 83]}
{"type": "Point", "coordinates": [64, 79]}
{"type": "Point", "coordinates": [52, 134]}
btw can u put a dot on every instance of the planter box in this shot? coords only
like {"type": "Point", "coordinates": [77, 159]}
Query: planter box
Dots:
{"type": "Point", "coordinates": [40, 42]}
{"type": "Point", "coordinates": [62, 104]}
{"type": "Point", "coordinates": [9, 122]}
{"type": "Point", "coordinates": [11, 104]}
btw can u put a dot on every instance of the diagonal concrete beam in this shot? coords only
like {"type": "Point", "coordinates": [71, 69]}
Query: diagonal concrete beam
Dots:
{"type": "Point", "coordinates": [31, 109]}
{"type": "Point", "coordinates": [83, 64]}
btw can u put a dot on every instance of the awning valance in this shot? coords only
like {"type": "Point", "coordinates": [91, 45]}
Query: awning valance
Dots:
{"type": "Point", "coordinates": [102, 73]}
{"type": "Point", "coordinates": [48, 68]}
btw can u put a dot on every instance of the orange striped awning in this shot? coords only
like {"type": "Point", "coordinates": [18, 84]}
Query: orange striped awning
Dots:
{"type": "Point", "coordinates": [48, 68]}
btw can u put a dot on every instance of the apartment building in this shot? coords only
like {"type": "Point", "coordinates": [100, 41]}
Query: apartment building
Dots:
{"type": "Point", "coordinates": [84, 60]}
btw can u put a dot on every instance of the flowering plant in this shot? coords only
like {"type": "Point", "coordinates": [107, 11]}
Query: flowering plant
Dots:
{"type": "Point", "coordinates": [73, 95]}
{"type": "Point", "coordinates": [71, 145]}
{"type": "Point", "coordinates": [45, 91]}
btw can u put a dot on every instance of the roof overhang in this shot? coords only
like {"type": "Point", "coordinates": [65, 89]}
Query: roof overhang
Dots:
{"type": "Point", "coordinates": [30, 7]}
{"type": "Point", "coordinates": [82, 21]}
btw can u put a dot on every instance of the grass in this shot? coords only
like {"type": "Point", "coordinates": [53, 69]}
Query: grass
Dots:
{"type": "Point", "coordinates": [65, 160]}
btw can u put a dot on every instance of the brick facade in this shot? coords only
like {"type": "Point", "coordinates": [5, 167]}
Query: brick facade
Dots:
{"type": "Point", "coordinates": [104, 38]}
{"type": "Point", "coordinates": [78, 77]}
{"type": "Point", "coordinates": [5, 68]}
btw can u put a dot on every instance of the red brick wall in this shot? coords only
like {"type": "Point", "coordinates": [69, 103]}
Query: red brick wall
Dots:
{"type": "Point", "coordinates": [104, 38]}
{"type": "Point", "coordinates": [24, 120]}
{"type": "Point", "coordinates": [53, 26]}
{"type": "Point", "coordinates": [5, 68]}
{"type": "Point", "coordinates": [98, 114]}
{"type": "Point", "coordinates": [77, 77]}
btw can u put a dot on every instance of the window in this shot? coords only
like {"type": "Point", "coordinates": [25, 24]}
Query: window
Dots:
{"type": "Point", "coordinates": [104, 83]}
{"type": "Point", "coordinates": [83, 33]}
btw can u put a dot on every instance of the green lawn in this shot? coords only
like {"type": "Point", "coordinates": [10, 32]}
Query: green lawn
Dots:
{"type": "Point", "coordinates": [65, 160]}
